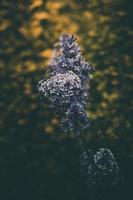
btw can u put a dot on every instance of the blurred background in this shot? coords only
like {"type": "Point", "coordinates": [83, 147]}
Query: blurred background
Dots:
{"type": "Point", "coordinates": [37, 160]}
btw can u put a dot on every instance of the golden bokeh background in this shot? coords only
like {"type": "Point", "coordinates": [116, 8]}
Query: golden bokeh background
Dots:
{"type": "Point", "coordinates": [36, 157]}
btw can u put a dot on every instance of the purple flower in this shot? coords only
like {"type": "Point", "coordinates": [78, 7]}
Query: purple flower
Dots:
{"type": "Point", "coordinates": [68, 85]}
{"type": "Point", "coordinates": [61, 88]}
{"type": "Point", "coordinates": [68, 57]}
{"type": "Point", "coordinates": [75, 119]}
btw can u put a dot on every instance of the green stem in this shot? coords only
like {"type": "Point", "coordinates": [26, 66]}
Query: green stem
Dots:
{"type": "Point", "coordinates": [83, 143]}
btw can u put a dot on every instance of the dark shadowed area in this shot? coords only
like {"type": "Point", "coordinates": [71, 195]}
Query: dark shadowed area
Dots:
{"type": "Point", "coordinates": [37, 160]}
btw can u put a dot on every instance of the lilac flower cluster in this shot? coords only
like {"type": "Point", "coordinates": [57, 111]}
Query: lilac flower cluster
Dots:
{"type": "Point", "coordinates": [61, 88]}
{"type": "Point", "coordinates": [68, 85]}
{"type": "Point", "coordinates": [67, 89]}
{"type": "Point", "coordinates": [100, 168]}
{"type": "Point", "coordinates": [75, 119]}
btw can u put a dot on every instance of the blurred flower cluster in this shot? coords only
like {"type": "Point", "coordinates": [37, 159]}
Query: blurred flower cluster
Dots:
{"type": "Point", "coordinates": [67, 87]}
{"type": "Point", "coordinates": [100, 168]}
